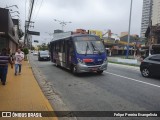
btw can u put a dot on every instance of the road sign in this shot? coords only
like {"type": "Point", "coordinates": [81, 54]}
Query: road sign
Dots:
{"type": "Point", "coordinates": [33, 33]}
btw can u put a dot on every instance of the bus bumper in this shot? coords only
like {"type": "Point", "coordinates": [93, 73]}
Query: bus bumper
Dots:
{"type": "Point", "coordinates": [84, 68]}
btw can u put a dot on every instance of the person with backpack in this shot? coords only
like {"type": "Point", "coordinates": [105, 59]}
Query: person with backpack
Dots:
{"type": "Point", "coordinates": [5, 58]}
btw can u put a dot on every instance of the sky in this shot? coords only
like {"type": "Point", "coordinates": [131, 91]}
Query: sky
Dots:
{"type": "Point", "coordinates": [86, 14]}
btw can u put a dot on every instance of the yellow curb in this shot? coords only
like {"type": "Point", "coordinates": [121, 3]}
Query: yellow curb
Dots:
{"type": "Point", "coordinates": [22, 93]}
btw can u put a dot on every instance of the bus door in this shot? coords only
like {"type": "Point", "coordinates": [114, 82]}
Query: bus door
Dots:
{"type": "Point", "coordinates": [70, 56]}
{"type": "Point", "coordinates": [72, 53]}
{"type": "Point", "coordinates": [51, 51]}
{"type": "Point", "coordinates": [67, 49]}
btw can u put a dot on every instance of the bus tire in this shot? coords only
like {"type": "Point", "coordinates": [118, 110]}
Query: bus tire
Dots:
{"type": "Point", "coordinates": [56, 64]}
{"type": "Point", "coordinates": [74, 70]}
{"type": "Point", "coordinates": [100, 72]}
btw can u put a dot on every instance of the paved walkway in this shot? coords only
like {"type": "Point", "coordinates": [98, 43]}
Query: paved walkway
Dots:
{"type": "Point", "coordinates": [22, 93]}
{"type": "Point", "coordinates": [115, 59]}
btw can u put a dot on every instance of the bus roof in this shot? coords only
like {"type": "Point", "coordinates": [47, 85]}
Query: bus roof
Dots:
{"type": "Point", "coordinates": [73, 35]}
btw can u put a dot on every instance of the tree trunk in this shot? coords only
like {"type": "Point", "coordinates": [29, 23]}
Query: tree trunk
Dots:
{"type": "Point", "coordinates": [25, 58]}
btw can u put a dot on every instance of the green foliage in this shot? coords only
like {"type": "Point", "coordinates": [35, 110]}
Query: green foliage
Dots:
{"type": "Point", "coordinates": [44, 46]}
{"type": "Point", "coordinates": [32, 48]}
{"type": "Point", "coordinates": [26, 51]}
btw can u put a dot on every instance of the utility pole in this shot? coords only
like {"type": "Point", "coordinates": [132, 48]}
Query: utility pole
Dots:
{"type": "Point", "coordinates": [27, 26]}
{"type": "Point", "coordinates": [150, 25]}
{"type": "Point", "coordinates": [27, 23]}
{"type": "Point", "coordinates": [129, 30]}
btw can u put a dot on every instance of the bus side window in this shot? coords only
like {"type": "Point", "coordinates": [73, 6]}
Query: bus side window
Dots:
{"type": "Point", "coordinates": [63, 46]}
{"type": "Point", "coordinates": [71, 48]}
{"type": "Point", "coordinates": [57, 47]}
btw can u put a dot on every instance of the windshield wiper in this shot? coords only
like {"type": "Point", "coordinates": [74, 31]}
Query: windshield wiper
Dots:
{"type": "Point", "coordinates": [95, 48]}
{"type": "Point", "coordinates": [86, 49]}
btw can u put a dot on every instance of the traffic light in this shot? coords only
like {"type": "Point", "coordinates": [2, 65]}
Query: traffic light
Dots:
{"type": "Point", "coordinates": [36, 41]}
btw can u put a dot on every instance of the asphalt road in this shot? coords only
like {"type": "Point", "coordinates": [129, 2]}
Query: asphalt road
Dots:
{"type": "Point", "coordinates": [119, 88]}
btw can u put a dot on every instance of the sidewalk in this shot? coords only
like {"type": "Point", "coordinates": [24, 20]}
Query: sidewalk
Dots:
{"type": "Point", "coordinates": [121, 60]}
{"type": "Point", "coordinates": [22, 93]}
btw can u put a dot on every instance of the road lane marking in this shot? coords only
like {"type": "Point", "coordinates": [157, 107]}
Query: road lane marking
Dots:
{"type": "Point", "coordinates": [125, 66]}
{"type": "Point", "coordinates": [133, 79]}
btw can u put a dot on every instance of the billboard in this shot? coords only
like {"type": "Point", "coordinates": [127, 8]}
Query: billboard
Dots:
{"type": "Point", "coordinates": [96, 32]}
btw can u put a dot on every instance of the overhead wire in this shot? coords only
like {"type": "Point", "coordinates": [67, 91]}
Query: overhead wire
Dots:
{"type": "Point", "coordinates": [38, 9]}
{"type": "Point", "coordinates": [34, 9]}
{"type": "Point", "coordinates": [25, 8]}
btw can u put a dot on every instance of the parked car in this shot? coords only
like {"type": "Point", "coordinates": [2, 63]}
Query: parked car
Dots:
{"type": "Point", "coordinates": [43, 55]}
{"type": "Point", "coordinates": [35, 53]}
{"type": "Point", "coordinates": [150, 66]}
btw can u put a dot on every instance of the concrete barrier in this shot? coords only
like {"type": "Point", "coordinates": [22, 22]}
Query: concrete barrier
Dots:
{"type": "Point", "coordinates": [129, 61]}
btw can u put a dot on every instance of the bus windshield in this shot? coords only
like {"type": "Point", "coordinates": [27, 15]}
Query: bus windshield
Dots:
{"type": "Point", "coordinates": [89, 47]}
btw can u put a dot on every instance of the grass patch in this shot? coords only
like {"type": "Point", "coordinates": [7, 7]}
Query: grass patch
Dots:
{"type": "Point", "coordinates": [127, 58]}
{"type": "Point", "coordinates": [124, 63]}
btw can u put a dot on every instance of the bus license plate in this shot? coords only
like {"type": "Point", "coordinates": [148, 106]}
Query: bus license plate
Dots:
{"type": "Point", "coordinates": [93, 69]}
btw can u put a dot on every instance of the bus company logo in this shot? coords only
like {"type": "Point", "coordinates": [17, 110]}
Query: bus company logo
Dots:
{"type": "Point", "coordinates": [6, 114]}
{"type": "Point", "coordinates": [99, 60]}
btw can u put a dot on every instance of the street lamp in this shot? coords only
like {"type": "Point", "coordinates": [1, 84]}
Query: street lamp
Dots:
{"type": "Point", "coordinates": [63, 23]}
{"type": "Point", "coordinates": [129, 29]}
{"type": "Point", "coordinates": [50, 34]}
{"type": "Point", "coordinates": [15, 11]}
{"type": "Point", "coordinates": [15, 16]}
{"type": "Point", "coordinates": [12, 6]}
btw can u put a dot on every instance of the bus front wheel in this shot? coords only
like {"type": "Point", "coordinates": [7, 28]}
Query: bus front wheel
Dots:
{"type": "Point", "coordinates": [100, 72]}
{"type": "Point", "coordinates": [74, 70]}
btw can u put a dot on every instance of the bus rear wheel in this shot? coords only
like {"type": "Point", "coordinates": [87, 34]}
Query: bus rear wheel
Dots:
{"type": "Point", "coordinates": [100, 72]}
{"type": "Point", "coordinates": [56, 64]}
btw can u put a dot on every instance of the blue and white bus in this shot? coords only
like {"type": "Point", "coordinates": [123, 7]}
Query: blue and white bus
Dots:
{"type": "Point", "coordinates": [79, 53]}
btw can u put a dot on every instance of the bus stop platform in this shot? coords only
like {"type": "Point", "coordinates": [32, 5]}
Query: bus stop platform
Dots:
{"type": "Point", "coordinates": [22, 93]}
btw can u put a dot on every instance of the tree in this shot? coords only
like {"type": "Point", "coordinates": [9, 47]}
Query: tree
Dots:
{"type": "Point", "coordinates": [43, 46]}
{"type": "Point", "coordinates": [32, 48]}
{"type": "Point", "coordinates": [26, 51]}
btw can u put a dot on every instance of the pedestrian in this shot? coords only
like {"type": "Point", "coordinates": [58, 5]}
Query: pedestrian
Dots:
{"type": "Point", "coordinates": [19, 56]}
{"type": "Point", "coordinates": [5, 58]}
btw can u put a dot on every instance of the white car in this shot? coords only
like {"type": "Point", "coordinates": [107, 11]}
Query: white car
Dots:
{"type": "Point", "coordinates": [35, 53]}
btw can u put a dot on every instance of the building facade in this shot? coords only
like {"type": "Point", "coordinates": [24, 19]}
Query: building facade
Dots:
{"type": "Point", "coordinates": [146, 16]}
{"type": "Point", "coordinates": [156, 12]}
{"type": "Point", "coordinates": [8, 31]}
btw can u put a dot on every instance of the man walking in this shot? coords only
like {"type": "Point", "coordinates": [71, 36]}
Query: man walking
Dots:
{"type": "Point", "coordinates": [5, 58]}
{"type": "Point", "coordinates": [19, 56]}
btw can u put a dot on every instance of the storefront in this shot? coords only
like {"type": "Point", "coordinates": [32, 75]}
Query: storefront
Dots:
{"type": "Point", "coordinates": [8, 31]}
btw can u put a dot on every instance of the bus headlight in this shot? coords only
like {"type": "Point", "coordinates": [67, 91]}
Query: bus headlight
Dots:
{"type": "Point", "coordinates": [80, 61]}
{"type": "Point", "coordinates": [105, 60]}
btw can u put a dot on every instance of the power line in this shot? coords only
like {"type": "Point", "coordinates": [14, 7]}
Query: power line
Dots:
{"type": "Point", "coordinates": [38, 9]}
{"type": "Point", "coordinates": [27, 23]}
{"type": "Point", "coordinates": [34, 10]}
{"type": "Point", "coordinates": [25, 8]}
{"type": "Point", "coordinates": [31, 10]}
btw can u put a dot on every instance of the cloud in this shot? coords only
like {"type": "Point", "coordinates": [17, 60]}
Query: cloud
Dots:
{"type": "Point", "coordinates": [87, 14]}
